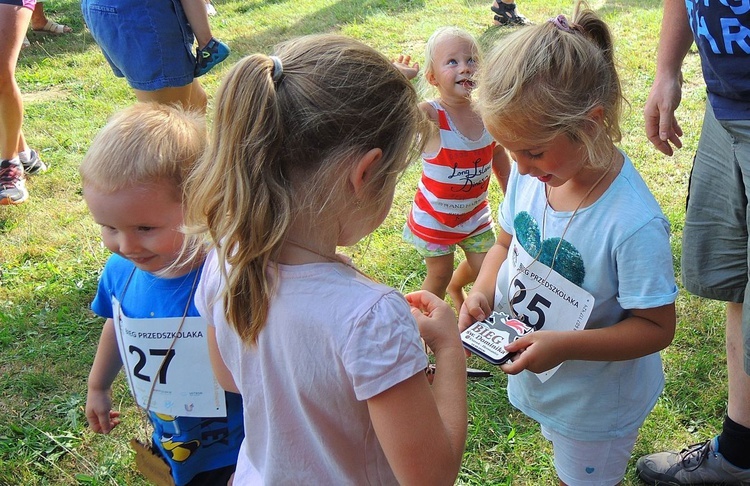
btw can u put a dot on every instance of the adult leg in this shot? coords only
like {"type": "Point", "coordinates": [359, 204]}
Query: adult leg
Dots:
{"type": "Point", "coordinates": [13, 24]}
{"type": "Point", "coordinates": [715, 266]}
{"type": "Point", "coordinates": [734, 441]}
{"type": "Point", "coordinates": [191, 96]}
{"type": "Point", "coordinates": [22, 146]}
{"type": "Point", "coordinates": [38, 17]}
{"type": "Point", "coordinates": [30, 159]}
{"type": "Point", "coordinates": [739, 380]}
{"type": "Point", "coordinates": [14, 20]}
{"type": "Point", "coordinates": [40, 22]}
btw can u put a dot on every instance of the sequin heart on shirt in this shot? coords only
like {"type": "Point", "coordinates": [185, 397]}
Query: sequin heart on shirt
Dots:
{"type": "Point", "coordinates": [560, 255]}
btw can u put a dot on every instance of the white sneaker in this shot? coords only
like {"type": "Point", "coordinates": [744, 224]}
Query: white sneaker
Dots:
{"type": "Point", "coordinates": [210, 9]}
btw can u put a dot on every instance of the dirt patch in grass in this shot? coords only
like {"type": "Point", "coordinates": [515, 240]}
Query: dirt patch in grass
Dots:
{"type": "Point", "coordinates": [51, 94]}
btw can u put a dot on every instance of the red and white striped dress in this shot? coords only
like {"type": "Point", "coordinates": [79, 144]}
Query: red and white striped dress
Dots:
{"type": "Point", "coordinates": [451, 200]}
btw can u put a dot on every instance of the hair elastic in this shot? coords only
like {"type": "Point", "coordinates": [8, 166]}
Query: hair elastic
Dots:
{"type": "Point", "coordinates": [278, 70]}
{"type": "Point", "coordinates": [561, 22]}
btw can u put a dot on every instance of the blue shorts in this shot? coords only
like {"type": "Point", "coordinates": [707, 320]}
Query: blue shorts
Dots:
{"type": "Point", "coordinates": [715, 240]}
{"type": "Point", "coordinates": [148, 42]}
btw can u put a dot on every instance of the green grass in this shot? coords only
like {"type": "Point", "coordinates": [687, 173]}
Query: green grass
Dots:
{"type": "Point", "coordinates": [50, 254]}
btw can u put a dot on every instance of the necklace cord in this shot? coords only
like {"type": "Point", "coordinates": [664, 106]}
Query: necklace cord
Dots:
{"type": "Point", "coordinates": [332, 259]}
{"type": "Point", "coordinates": [559, 243]}
{"type": "Point", "coordinates": [174, 339]}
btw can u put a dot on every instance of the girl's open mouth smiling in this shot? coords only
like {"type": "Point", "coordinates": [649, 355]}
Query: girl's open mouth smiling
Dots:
{"type": "Point", "coordinates": [466, 83]}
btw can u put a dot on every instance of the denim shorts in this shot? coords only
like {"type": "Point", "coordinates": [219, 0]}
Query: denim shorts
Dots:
{"type": "Point", "coordinates": [148, 42]}
{"type": "Point", "coordinates": [480, 243]}
{"type": "Point", "coordinates": [715, 239]}
{"type": "Point", "coordinates": [20, 3]}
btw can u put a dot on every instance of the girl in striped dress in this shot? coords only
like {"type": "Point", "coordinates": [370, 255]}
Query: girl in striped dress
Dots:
{"type": "Point", "coordinates": [450, 207]}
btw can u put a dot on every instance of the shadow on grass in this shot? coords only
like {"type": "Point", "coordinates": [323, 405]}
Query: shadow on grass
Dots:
{"type": "Point", "coordinates": [328, 19]}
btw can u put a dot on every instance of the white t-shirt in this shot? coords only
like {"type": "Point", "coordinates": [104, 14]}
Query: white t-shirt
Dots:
{"type": "Point", "coordinates": [618, 250]}
{"type": "Point", "coordinates": [333, 339]}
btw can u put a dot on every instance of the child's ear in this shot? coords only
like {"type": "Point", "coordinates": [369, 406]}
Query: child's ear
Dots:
{"type": "Point", "coordinates": [596, 115]}
{"type": "Point", "coordinates": [363, 170]}
{"type": "Point", "coordinates": [429, 76]}
{"type": "Point", "coordinates": [593, 124]}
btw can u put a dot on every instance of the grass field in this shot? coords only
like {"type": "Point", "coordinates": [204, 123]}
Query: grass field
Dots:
{"type": "Point", "coordinates": [50, 254]}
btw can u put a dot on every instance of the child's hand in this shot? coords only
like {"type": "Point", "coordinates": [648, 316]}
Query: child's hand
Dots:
{"type": "Point", "coordinates": [537, 352]}
{"type": "Point", "coordinates": [102, 419]}
{"type": "Point", "coordinates": [475, 308]}
{"type": "Point", "coordinates": [402, 64]}
{"type": "Point", "coordinates": [435, 319]}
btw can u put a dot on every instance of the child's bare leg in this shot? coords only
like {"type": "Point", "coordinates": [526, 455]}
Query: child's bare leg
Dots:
{"type": "Point", "coordinates": [191, 96]}
{"type": "Point", "coordinates": [439, 273]}
{"type": "Point", "coordinates": [465, 273]}
{"type": "Point", "coordinates": [195, 11]}
{"type": "Point", "coordinates": [461, 277]}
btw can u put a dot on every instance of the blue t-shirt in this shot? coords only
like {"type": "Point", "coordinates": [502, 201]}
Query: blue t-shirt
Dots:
{"type": "Point", "coordinates": [721, 31]}
{"type": "Point", "coordinates": [617, 250]}
{"type": "Point", "coordinates": [190, 445]}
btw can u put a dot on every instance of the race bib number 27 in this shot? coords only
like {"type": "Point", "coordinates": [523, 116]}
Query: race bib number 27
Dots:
{"type": "Point", "coordinates": [167, 365]}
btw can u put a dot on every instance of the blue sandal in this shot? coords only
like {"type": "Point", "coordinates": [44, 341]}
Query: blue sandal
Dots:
{"type": "Point", "coordinates": [211, 55]}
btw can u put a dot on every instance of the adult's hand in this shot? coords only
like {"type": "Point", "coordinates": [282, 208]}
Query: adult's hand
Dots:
{"type": "Point", "coordinates": [662, 128]}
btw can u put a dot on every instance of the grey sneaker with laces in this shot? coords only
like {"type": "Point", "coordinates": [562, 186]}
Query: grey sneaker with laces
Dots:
{"type": "Point", "coordinates": [12, 183]}
{"type": "Point", "coordinates": [34, 165]}
{"type": "Point", "coordinates": [697, 464]}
